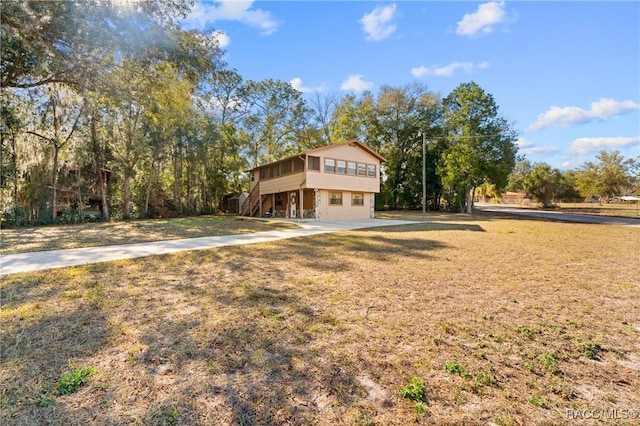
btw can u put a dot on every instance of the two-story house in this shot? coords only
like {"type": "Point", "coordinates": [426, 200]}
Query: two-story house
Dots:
{"type": "Point", "coordinates": [329, 183]}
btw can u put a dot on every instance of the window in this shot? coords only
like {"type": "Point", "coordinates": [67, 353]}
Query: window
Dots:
{"type": "Point", "coordinates": [362, 169]}
{"type": "Point", "coordinates": [275, 171]}
{"type": "Point", "coordinates": [329, 165]}
{"type": "Point", "coordinates": [314, 163]}
{"type": "Point", "coordinates": [357, 199]}
{"type": "Point", "coordinates": [341, 167]}
{"type": "Point", "coordinates": [335, 198]}
{"type": "Point", "coordinates": [298, 164]}
{"type": "Point", "coordinates": [371, 170]}
{"type": "Point", "coordinates": [286, 167]}
{"type": "Point", "coordinates": [264, 173]}
{"type": "Point", "coordinates": [351, 168]}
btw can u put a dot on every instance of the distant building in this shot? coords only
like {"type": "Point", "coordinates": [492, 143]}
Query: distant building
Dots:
{"type": "Point", "coordinates": [514, 198]}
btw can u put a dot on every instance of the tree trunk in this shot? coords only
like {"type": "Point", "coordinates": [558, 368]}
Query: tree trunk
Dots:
{"type": "Point", "coordinates": [148, 192]}
{"type": "Point", "coordinates": [97, 155]}
{"type": "Point", "coordinates": [54, 183]}
{"type": "Point", "coordinates": [471, 194]}
{"type": "Point", "coordinates": [126, 195]}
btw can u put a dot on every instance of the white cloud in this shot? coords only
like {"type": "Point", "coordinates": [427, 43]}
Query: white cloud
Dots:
{"type": "Point", "coordinates": [527, 147]}
{"type": "Point", "coordinates": [378, 23]}
{"type": "Point", "coordinates": [569, 116]}
{"type": "Point", "coordinates": [448, 70]}
{"type": "Point", "coordinates": [419, 71]}
{"type": "Point", "coordinates": [356, 83]}
{"type": "Point", "coordinates": [222, 38]}
{"type": "Point", "coordinates": [583, 146]}
{"type": "Point", "coordinates": [483, 20]}
{"type": "Point", "coordinates": [204, 14]}
{"type": "Point", "coordinates": [524, 143]}
{"type": "Point", "coordinates": [296, 83]}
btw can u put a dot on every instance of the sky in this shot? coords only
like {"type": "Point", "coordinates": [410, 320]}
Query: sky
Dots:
{"type": "Point", "coordinates": [565, 74]}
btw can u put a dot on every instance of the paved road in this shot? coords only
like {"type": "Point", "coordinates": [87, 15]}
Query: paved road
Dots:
{"type": "Point", "coordinates": [38, 261]}
{"type": "Point", "coordinates": [561, 216]}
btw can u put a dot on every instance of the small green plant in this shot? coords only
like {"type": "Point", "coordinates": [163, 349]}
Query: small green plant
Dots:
{"type": "Point", "coordinates": [528, 365]}
{"type": "Point", "coordinates": [279, 317]}
{"type": "Point", "coordinates": [454, 367]}
{"type": "Point", "coordinates": [590, 350]}
{"type": "Point", "coordinates": [414, 390]}
{"type": "Point", "coordinates": [484, 379]}
{"type": "Point", "coordinates": [548, 360]}
{"type": "Point", "coordinates": [534, 400]}
{"type": "Point", "coordinates": [45, 401]}
{"type": "Point", "coordinates": [421, 408]}
{"type": "Point", "coordinates": [527, 332]}
{"type": "Point", "coordinates": [172, 416]}
{"type": "Point", "coordinates": [71, 381]}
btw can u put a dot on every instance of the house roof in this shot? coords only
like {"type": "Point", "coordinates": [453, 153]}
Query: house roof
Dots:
{"type": "Point", "coordinates": [326, 147]}
{"type": "Point", "coordinates": [353, 142]}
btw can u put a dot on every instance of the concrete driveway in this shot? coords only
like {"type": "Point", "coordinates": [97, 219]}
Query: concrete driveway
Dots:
{"type": "Point", "coordinates": [38, 261]}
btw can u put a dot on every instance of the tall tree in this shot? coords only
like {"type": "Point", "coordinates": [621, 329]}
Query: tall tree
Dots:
{"type": "Point", "coordinates": [544, 183]}
{"type": "Point", "coordinates": [481, 145]}
{"type": "Point", "coordinates": [609, 176]}
{"type": "Point", "coordinates": [59, 117]}
{"type": "Point", "coordinates": [276, 110]}
{"type": "Point", "coordinates": [76, 41]}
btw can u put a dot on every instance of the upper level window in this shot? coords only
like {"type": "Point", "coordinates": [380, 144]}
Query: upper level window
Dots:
{"type": "Point", "coordinates": [298, 164]}
{"type": "Point", "coordinates": [351, 168]}
{"type": "Point", "coordinates": [371, 170]}
{"type": "Point", "coordinates": [314, 163]}
{"type": "Point", "coordinates": [341, 167]}
{"type": "Point", "coordinates": [362, 169]}
{"type": "Point", "coordinates": [329, 165]}
{"type": "Point", "coordinates": [286, 167]}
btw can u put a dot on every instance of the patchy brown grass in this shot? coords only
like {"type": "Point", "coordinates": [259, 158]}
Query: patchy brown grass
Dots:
{"type": "Point", "coordinates": [327, 329]}
{"type": "Point", "coordinates": [22, 240]}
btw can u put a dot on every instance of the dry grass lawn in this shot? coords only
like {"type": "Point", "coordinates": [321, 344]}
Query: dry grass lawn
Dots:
{"type": "Point", "coordinates": [531, 318]}
{"type": "Point", "coordinates": [22, 240]}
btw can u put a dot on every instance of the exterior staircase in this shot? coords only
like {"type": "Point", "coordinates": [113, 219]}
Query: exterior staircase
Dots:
{"type": "Point", "coordinates": [251, 205]}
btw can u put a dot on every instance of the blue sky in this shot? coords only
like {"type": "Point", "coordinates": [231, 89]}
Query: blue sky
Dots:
{"type": "Point", "coordinates": [566, 74]}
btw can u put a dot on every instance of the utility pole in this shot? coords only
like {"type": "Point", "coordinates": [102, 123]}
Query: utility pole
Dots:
{"type": "Point", "coordinates": [424, 173]}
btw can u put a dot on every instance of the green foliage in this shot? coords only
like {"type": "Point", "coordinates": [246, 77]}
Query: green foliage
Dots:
{"type": "Point", "coordinates": [544, 183]}
{"type": "Point", "coordinates": [481, 147]}
{"type": "Point", "coordinates": [71, 381]}
{"type": "Point", "coordinates": [414, 390]}
{"type": "Point", "coordinates": [527, 332]}
{"type": "Point", "coordinates": [421, 408]}
{"type": "Point", "coordinates": [549, 362]}
{"type": "Point", "coordinates": [482, 379]}
{"type": "Point", "coordinates": [172, 415]}
{"type": "Point", "coordinates": [590, 350]}
{"type": "Point", "coordinates": [454, 367]}
{"type": "Point", "coordinates": [609, 176]}
{"type": "Point", "coordinates": [538, 402]}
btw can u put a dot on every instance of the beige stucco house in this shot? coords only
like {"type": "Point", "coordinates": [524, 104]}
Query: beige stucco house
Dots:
{"type": "Point", "coordinates": [329, 183]}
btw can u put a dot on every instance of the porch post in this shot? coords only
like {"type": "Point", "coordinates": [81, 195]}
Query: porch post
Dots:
{"type": "Point", "coordinates": [301, 201]}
